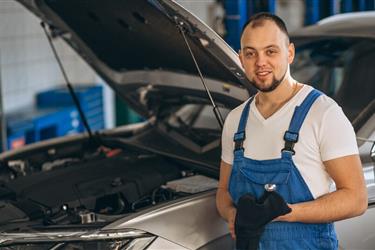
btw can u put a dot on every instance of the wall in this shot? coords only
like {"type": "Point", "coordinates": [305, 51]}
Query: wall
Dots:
{"type": "Point", "coordinates": [27, 64]}
{"type": "Point", "coordinates": [292, 12]}
{"type": "Point", "coordinates": [200, 8]}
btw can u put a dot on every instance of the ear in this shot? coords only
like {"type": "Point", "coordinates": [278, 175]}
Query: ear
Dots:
{"type": "Point", "coordinates": [291, 52]}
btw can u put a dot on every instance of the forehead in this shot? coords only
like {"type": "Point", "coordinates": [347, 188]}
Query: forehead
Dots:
{"type": "Point", "coordinates": [263, 34]}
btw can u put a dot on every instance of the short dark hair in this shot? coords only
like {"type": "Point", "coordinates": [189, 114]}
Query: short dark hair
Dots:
{"type": "Point", "coordinates": [258, 19]}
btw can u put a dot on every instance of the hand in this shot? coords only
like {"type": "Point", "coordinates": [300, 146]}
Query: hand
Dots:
{"type": "Point", "coordinates": [231, 218]}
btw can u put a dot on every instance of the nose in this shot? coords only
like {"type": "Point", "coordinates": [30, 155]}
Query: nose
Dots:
{"type": "Point", "coordinates": [260, 60]}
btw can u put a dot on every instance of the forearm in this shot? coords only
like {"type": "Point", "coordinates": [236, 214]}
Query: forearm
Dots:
{"type": "Point", "coordinates": [338, 205]}
{"type": "Point", "coordinates": [224, 203]}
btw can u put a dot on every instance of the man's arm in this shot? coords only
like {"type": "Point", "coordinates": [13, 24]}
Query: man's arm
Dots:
{"type": "Point", "coordinates": [349, 199]}
{"type": "Point", "coordinates": [224, 202]}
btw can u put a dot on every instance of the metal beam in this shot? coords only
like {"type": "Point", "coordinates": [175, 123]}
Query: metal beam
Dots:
{"type": "Point", "coordinates": [312, 14]}
{"type": "Point", "coordinates": [346, 6]}
{"type": "Point", "coordinates": [334, 7]}
{"type": "Point", "coordinates": [370, 4]}
{"type": "Point", "coordinates": [361, 5]}
{"type": "Point", "coordinates": [236, 16]}
{"type": "Point", "coordinates": [271, 6]}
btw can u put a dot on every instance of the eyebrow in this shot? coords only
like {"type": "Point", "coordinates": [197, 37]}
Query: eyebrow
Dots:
{"type": "Point", "coordinates": [267, 47]}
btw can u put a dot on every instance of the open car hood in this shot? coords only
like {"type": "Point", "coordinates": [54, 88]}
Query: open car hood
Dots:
{"type": "Point", "coordinates": [134, 43]}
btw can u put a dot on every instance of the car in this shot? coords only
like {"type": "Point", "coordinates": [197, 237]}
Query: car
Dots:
{"type": "Point", "coordinates": [335, 55]}
{"type": "Point", "coordinates": [149, 185]}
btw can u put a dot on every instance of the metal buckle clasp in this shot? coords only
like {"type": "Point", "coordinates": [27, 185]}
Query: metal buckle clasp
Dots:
{"type": "Point", "coordinates": [270, 187]}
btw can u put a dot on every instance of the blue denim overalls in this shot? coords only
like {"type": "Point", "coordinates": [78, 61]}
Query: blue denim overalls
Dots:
{"type": "Point", "coordinates": [251, 176]}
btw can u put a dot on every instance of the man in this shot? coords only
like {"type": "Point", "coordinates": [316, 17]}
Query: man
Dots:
{"type": "Point", "coordinates": [297, 154]}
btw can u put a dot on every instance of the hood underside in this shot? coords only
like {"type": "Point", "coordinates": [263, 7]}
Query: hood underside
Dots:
{"type": "Point", "coordinates": [116, 37]}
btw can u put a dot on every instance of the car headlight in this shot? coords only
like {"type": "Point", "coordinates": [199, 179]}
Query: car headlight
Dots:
{"type": "Point", "coordinates": [69, 240]}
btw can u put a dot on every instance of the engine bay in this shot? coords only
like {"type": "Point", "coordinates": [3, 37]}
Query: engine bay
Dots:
{"type": "Point", "coordinates": [90, 186]}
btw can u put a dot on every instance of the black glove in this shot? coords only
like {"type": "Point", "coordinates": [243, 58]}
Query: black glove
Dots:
{"type": "Point", "coordinates": [252, 216]}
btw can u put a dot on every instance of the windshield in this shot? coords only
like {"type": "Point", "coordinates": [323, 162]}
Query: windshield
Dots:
{"type": "Point", "coordinates": [198, 116]}
{"type": "Point", "coordinates": [198, 122]}
{"type": "Point", "coordinates": [340, 67]}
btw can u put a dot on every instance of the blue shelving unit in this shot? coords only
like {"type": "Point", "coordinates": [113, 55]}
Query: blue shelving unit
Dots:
{"type": "Point", "coordinates": [90, 98]}
{"type": "Point", "coordinates": [32, 125]}
{"type": "Point", "coordinates": [55, 115]}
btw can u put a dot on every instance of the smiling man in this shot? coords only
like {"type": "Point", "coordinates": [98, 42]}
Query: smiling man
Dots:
{"type": "Point", "coordinates": [290, 140]}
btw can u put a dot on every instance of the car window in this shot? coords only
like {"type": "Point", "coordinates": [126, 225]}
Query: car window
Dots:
{"type": "Point", "coordinates": [341, 68]}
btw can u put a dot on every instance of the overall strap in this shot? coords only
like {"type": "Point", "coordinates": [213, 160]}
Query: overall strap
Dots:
{"type": "Point", "coordinates": [240, 136]}
{"type": "Point", "coordinates": [299, 115]}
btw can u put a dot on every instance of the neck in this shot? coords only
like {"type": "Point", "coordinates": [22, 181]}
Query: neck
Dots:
{"type": "Point", "coordinates": [286, 90]}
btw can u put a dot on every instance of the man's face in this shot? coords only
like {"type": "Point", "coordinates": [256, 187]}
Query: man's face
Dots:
{"type": "Point", "coordinates": [265, 55]}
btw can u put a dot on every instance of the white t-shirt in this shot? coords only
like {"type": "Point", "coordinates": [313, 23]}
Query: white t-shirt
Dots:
{"type": "Point", "coordinates": [325, 134]}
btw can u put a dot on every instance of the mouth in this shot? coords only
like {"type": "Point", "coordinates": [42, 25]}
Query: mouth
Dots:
{"type": "Point", "coordinates": [262, 74]}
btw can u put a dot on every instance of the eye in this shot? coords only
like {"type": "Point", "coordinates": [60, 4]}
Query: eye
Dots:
{"type": "Point", "coordinates": [271, 52]}
{"type": "Point", "coordinates": [249, 54]}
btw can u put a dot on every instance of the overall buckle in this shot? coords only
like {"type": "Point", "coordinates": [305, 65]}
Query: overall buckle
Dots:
{"type": "Point", "coordinates": [290, 139]}
{"type": "Point", "coordinates": [238, 139]}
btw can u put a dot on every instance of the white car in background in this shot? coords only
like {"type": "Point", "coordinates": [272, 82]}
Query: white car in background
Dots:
{"type": "Point", "coordinates": [337, 56]}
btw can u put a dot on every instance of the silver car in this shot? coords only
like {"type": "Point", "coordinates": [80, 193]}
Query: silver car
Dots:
{"type": "Point", "coordinates": [336, 56]}
{"type": "Point", "coordinates": [149, 185]}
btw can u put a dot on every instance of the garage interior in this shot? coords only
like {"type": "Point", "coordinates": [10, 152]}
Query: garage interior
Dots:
{"type": "Point", "coordinates": [35, 102]}
{"type": "Point", "coordinates": [136, 164]}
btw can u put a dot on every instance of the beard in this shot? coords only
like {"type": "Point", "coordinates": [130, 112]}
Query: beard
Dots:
{"type": "Point", "coordinates": [275, 83]}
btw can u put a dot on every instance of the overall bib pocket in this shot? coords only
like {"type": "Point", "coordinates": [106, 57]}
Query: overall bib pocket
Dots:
{"type": "Point", "coordinates": [261, 180]}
